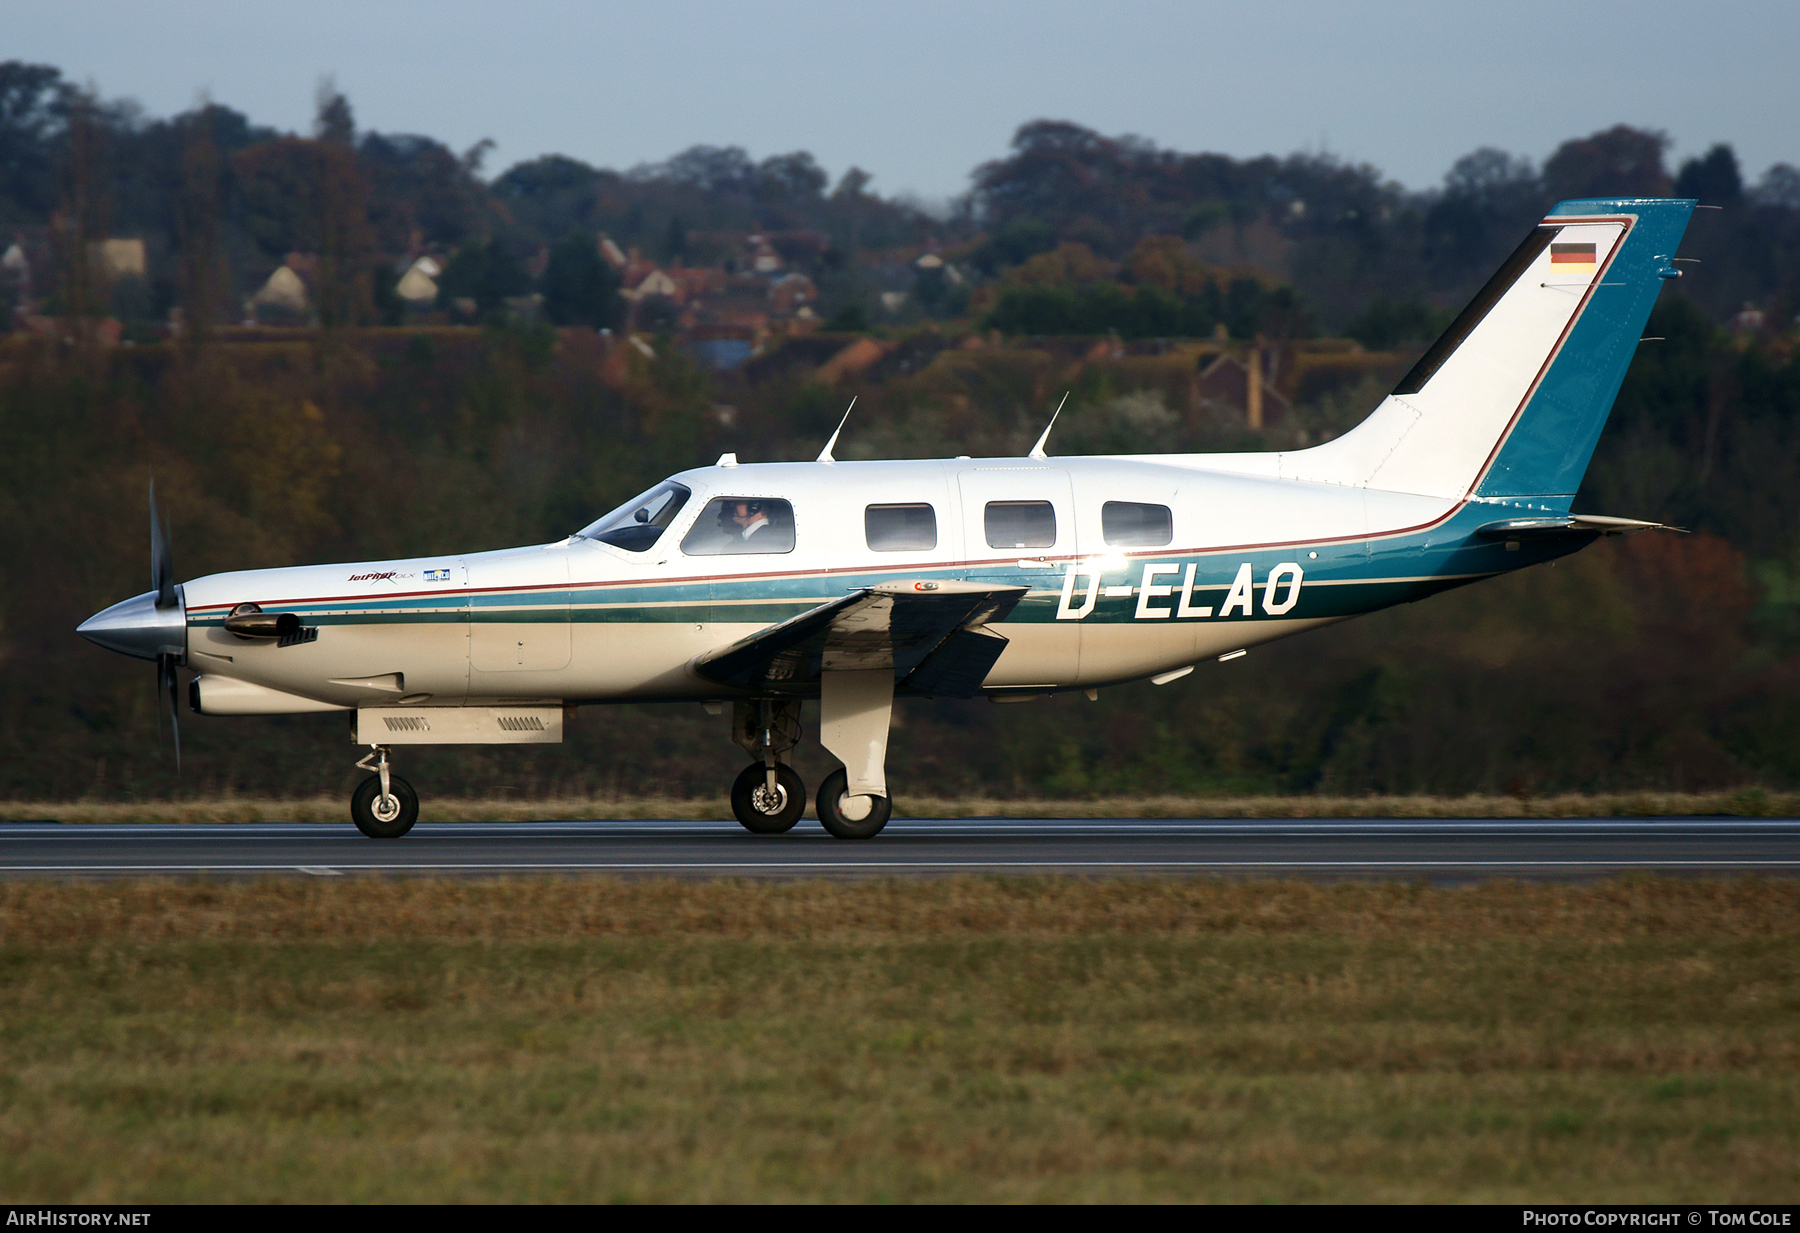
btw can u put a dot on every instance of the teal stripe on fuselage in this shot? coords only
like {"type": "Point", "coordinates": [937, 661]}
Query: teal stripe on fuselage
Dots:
{"type": "Point", "coordinates": [1344, 579]}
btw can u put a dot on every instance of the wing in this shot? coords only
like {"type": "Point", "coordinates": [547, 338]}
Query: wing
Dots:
{"type": "Point", "coordinates": [929, 632]}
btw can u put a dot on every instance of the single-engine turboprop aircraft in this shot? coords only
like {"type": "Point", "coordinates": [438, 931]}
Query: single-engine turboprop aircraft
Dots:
{"type": "Point", "coordinates": [856, 582]}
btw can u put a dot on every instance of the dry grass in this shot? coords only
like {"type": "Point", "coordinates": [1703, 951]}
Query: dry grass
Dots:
{"type": "Point", "coordinates": [1740, 802]}
{"type": "Point", "coordinates": [955, 1039]}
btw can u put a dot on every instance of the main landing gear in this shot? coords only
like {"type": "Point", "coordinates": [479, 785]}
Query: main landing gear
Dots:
{"type": "Point", "coordinates": [384, 806]}
{"type": "Point", "coordinates": [769, 797]}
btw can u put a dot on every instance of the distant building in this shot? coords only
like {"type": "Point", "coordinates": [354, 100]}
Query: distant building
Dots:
{"type": "Point", "coordinates": [697, 282]}
{"type": "Point", "coordinates": [790, 293]}
{"type": "Point", "coordinates": [15, 277]}
{"type": "Point", "coordinates": [1243, 386]}
{"type": "Point", "coordinates": [118, 258]}
{"type": "Point", "coordinates": [418, 286]}
{"type": "Point", "coordinates": [764, 257]}
{"type": "Point", "coordinates": [721, 347]}
{"type": "Point", "coordinates": [651, 281]}
{"type": "Point", "coordinates": [853, 359]}
{"type": "Point", "coordinates": [282, 299]}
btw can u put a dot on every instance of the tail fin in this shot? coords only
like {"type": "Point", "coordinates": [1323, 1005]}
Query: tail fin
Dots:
{"type": "Point", "coordinates": [1511, 400]}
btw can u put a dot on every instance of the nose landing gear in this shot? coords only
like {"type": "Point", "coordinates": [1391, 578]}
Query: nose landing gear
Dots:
{"type": "Point", "coordinates": [384, 806]}
{"type": "Point", "coordinates": [848, 816]}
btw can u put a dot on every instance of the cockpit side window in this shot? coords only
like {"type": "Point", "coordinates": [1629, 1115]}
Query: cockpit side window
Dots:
{"type": "Point", "coordinates": [636, 525]}
{"type": "Point", "coordinates": [1131, 524]}
{"type": "Point", "coordinates": [731, 525]}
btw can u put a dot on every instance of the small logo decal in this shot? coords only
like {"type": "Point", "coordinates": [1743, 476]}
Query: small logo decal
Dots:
{"type": "Point", "coordinates": [387, 577]}
{"type": "Point", "coordinates": [437, 575]}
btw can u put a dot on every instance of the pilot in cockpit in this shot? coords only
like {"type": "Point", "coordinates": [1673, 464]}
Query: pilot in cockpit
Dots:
{"type": "Point", "coordinates": [740, 521]}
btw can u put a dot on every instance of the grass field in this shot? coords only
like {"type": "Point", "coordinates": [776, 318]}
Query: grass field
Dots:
{"type": "Point", "coordinates": [1742, 802]}
{"type": "Point", "coordinates": [956, 1039]}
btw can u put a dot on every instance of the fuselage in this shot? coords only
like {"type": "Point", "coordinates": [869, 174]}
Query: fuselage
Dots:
{"type": "Point", "coordinates": [1208, 561]}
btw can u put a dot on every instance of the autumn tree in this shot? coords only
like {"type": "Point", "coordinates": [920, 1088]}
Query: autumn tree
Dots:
{"type": "Point", "coordinates": [199, 226]}
{"type": "Point", "coordinates": [81, 217]}
{"type": "Point", "coordinates": [34, 107]}
{"type": "Point", "coordinates": [580, 288]}
{"type": "Point", "coordinates": [1618, 162]}
{"type": "Point", "coordinates": [345, 241]}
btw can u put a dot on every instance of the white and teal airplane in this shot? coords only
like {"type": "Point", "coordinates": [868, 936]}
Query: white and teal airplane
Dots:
{"type": "Point", "coordinates": [761, 585]}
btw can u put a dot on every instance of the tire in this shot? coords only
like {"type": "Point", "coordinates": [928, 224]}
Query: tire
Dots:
{"type": "Point", "coordinates": [831, 797]}
{"type": "Point", "coordinates": [367, 817]}
{"type": "Point", "coordinates": [749, 804]}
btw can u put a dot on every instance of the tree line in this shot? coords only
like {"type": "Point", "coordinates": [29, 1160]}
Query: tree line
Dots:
{"type": "Point", "coordinates": [1656, 661]}
{"type": "Point", "coordinates": [220, 200]}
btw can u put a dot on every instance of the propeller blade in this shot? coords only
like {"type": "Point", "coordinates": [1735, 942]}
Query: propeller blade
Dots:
{"type": "Point", "coordinates": [162, 561]}
{"type": "Point", "coordinates": [162, 580]}
{"type": "Point", "coordinates": [167, 687]}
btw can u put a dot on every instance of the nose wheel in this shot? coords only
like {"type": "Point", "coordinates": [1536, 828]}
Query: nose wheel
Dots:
{"type": "Point", "coordinates": [384, 806]}
{"type": "Point", "coordinates": [850, 817]}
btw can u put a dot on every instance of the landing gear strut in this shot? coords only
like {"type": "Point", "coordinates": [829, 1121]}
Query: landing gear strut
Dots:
{"type": "Point", "coordinates": [384, 806]}
{"type": "Point", "coordinates": [768, 797]}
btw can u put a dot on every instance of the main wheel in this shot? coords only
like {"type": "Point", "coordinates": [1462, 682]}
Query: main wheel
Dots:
{"type": "Point", "coordinates": [835, 806]}
{"type": "Point", "coordinates": [384, 817]}
{"type": "Point", "coordinates": [761, 812]}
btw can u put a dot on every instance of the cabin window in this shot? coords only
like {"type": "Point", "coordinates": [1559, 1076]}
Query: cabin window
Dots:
{"type": "Point", "coordinates": [640, 522]}
{"type": "Point", "coordinates": [1128, 524]}
{"type": "Point", "coordinates": [900, 528]}
{"type": "Point", "coordinates": [733, 525]}
{"type": "Point", "coordinates": [1020, 524]}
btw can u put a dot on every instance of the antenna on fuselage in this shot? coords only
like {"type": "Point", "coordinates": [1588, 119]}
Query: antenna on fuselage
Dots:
{"type": "Point", "coordinates": [825, 454]}
{"type": "Point", "coordinates": [1037, 451]}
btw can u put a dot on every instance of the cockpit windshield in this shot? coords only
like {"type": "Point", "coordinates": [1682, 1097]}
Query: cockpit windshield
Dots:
{"type": "Point", "coordinates": [640, 522]}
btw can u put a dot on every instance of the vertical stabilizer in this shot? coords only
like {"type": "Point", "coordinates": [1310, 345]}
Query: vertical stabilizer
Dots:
{"type": "Point", "coordinates": [1511, 399]}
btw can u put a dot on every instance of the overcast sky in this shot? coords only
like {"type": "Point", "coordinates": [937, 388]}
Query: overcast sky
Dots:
{"type": "Point", "coordinates": [919, 93]}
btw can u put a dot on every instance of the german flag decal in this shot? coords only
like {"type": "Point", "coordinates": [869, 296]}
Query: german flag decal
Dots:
{"type": "Point", "coordinates": [1572, 259]}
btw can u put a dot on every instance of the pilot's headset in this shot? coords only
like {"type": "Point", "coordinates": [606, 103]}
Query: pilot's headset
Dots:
{"type": "Point", "coordinates": [728, 514]}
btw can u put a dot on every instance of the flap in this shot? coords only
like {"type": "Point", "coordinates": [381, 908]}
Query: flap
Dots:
{"type": "Point", "coordinates": [896, 625]}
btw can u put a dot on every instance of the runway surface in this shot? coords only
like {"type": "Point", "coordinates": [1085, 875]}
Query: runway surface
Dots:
{"type": "Point", "coordinates": [1457, 849]}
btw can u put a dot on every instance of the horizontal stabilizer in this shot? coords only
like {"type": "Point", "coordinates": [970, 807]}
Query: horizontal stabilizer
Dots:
{"type": "Point", "coordinates": [904, 626]}
{"type": "Point", "coordinates": [1569, 524]}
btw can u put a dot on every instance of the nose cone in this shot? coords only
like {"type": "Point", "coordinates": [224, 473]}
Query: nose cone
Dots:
{"type": "Point", "coordinates": [138, 627]}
